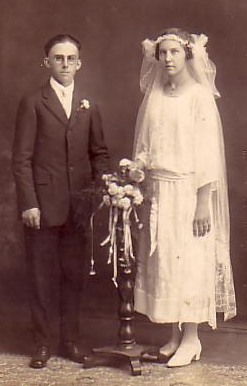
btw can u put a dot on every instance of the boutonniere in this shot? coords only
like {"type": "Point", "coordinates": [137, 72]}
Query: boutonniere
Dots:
{"type": "Point", "coordinates": [84, 104]}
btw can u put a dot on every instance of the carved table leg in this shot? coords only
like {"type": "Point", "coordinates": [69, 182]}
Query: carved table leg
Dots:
{"type": "Point", "coordinates": [127, 346]}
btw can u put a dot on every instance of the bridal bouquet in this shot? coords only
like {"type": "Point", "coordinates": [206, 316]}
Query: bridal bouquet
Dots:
{"type": "Point", "coordinates": [121, 190]}
{"type": "Point", "coordinates": [122, 195]}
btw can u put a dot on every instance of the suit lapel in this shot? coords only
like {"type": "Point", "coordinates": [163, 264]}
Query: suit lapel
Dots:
{"type": "Point", "coordinates": [53, 104]}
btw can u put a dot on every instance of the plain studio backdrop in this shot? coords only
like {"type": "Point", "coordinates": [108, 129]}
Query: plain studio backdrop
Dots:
{"type": "Point", "coordinates": [111, 32]}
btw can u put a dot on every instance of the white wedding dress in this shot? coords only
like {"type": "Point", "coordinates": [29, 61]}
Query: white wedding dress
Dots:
{"type": "Point", "coordinates": [180, 277]}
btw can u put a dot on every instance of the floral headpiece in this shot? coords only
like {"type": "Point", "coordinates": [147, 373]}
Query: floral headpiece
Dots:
{"type": "Point", "coordinates": [174, 37]}
{"type": "Point", "coordinates": [198, 47]}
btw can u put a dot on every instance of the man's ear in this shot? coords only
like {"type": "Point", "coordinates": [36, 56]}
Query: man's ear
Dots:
{"type": "Point", "coordinates": [78, 66]}
{"type": "Point", "coordinates": [46, 62]}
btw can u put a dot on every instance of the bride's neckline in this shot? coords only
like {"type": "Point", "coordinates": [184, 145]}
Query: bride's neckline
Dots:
{"type": "Point", "coordinates": [170, 90]}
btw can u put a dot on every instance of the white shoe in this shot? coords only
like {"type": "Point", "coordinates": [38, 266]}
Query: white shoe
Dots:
{"type": "Point", "coordinates": [185, 354]}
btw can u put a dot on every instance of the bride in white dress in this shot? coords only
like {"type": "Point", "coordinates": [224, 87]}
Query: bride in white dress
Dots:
{"type": "Point", "coordinates": [184, 272]}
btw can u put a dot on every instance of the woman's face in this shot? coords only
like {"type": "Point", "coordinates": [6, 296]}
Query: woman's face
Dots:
{"type": "Point", "coordinates": [173, 55]}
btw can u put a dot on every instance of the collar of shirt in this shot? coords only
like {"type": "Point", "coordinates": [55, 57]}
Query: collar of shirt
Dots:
{"type": "Point", "coordinates": [60, 89]}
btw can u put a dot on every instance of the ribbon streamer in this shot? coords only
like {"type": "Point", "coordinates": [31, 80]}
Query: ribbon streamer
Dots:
{"type": "Point", "coordinates": [127, 253]}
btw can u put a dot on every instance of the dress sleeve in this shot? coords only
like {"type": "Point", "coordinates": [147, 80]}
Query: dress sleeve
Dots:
{"type": "Point", "coordinates": [141, 150]}
{"type": "Point", "coordinates": [207, 149]}
{"type": "Point", "coordinates": [141, 141]}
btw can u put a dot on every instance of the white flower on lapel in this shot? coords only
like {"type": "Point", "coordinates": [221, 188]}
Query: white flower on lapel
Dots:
{"type": "Point", "coordinates": [84, 104]}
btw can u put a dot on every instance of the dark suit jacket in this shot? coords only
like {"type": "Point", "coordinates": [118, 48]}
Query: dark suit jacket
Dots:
{"type": "Point", "coordinates": [56, 159]}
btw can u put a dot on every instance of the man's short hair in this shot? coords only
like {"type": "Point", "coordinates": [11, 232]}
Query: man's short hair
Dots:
{"type": "Point", "coordinates": [61, 39]}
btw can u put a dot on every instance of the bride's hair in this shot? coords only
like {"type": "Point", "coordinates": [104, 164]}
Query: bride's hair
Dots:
{"type": "Point", "coordinates": [186, 41]}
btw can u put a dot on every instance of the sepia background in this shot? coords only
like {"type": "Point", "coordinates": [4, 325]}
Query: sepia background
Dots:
{"type": "Point", "coordinates": [111, 32]}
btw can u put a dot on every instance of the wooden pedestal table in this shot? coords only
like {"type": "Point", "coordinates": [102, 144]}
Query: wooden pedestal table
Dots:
{"type": "Point", "coordinates": [126, 347]}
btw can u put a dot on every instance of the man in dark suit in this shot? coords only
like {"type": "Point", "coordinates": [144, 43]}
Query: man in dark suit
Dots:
{"type": "Point", "coordinates": [59, 150]}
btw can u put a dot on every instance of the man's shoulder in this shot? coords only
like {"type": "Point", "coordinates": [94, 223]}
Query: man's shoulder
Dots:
{"type": "Point", "coordinates": [33, 95]}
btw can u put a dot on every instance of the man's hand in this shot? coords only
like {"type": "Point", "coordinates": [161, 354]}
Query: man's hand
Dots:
{"type": "Point", "coordinates": [31, 218]}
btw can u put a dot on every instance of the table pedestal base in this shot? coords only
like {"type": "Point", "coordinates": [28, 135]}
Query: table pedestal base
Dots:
{"type": "Point", "coordinates": [132, 352]}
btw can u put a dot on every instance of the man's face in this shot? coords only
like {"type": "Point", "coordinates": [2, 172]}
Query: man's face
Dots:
{"type": "Point", "coordinates": [63, 62]}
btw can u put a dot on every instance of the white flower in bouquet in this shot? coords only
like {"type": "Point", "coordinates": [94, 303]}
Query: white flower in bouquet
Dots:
{"type": "Point", "coordinates": [125, 203]}
{"type": "Point", "coordinates": [112, 188]}
{"type": "Point", "coordinates": [120, 203]}
{"type": "Point", "coordinates": [125, 163]}
{"type": "Point", "coordinates": [136, 192]}
{"type": "Point", "coordinates": [138, 199]}
{"type": "Point", "coordinates": [120, 191]}
{"type": "Point", "coordinates": [128, 189]}
{"type": "Point", "coordinates": [107, 178]}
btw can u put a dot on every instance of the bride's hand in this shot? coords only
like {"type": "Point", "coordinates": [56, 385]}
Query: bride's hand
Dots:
{"type": "Point", "coordinates": [136, 175]}
{"type": "Point", "coordinates": [135, 172]}
{"type": "Point", "coordinates": [202, 220]}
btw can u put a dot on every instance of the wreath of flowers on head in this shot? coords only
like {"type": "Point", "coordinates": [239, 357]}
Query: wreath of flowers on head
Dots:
{"type": "Point", "coordinates": [198, 47]}
{"type": "Point", "coordinates": [176, 38]}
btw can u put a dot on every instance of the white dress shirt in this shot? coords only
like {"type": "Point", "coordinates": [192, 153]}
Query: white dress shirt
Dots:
{"type": "Point", "coordinates": [64, 94]}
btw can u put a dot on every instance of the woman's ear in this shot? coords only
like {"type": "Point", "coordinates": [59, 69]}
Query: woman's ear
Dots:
{"type": "Point", "coordinates": [46, 62]}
